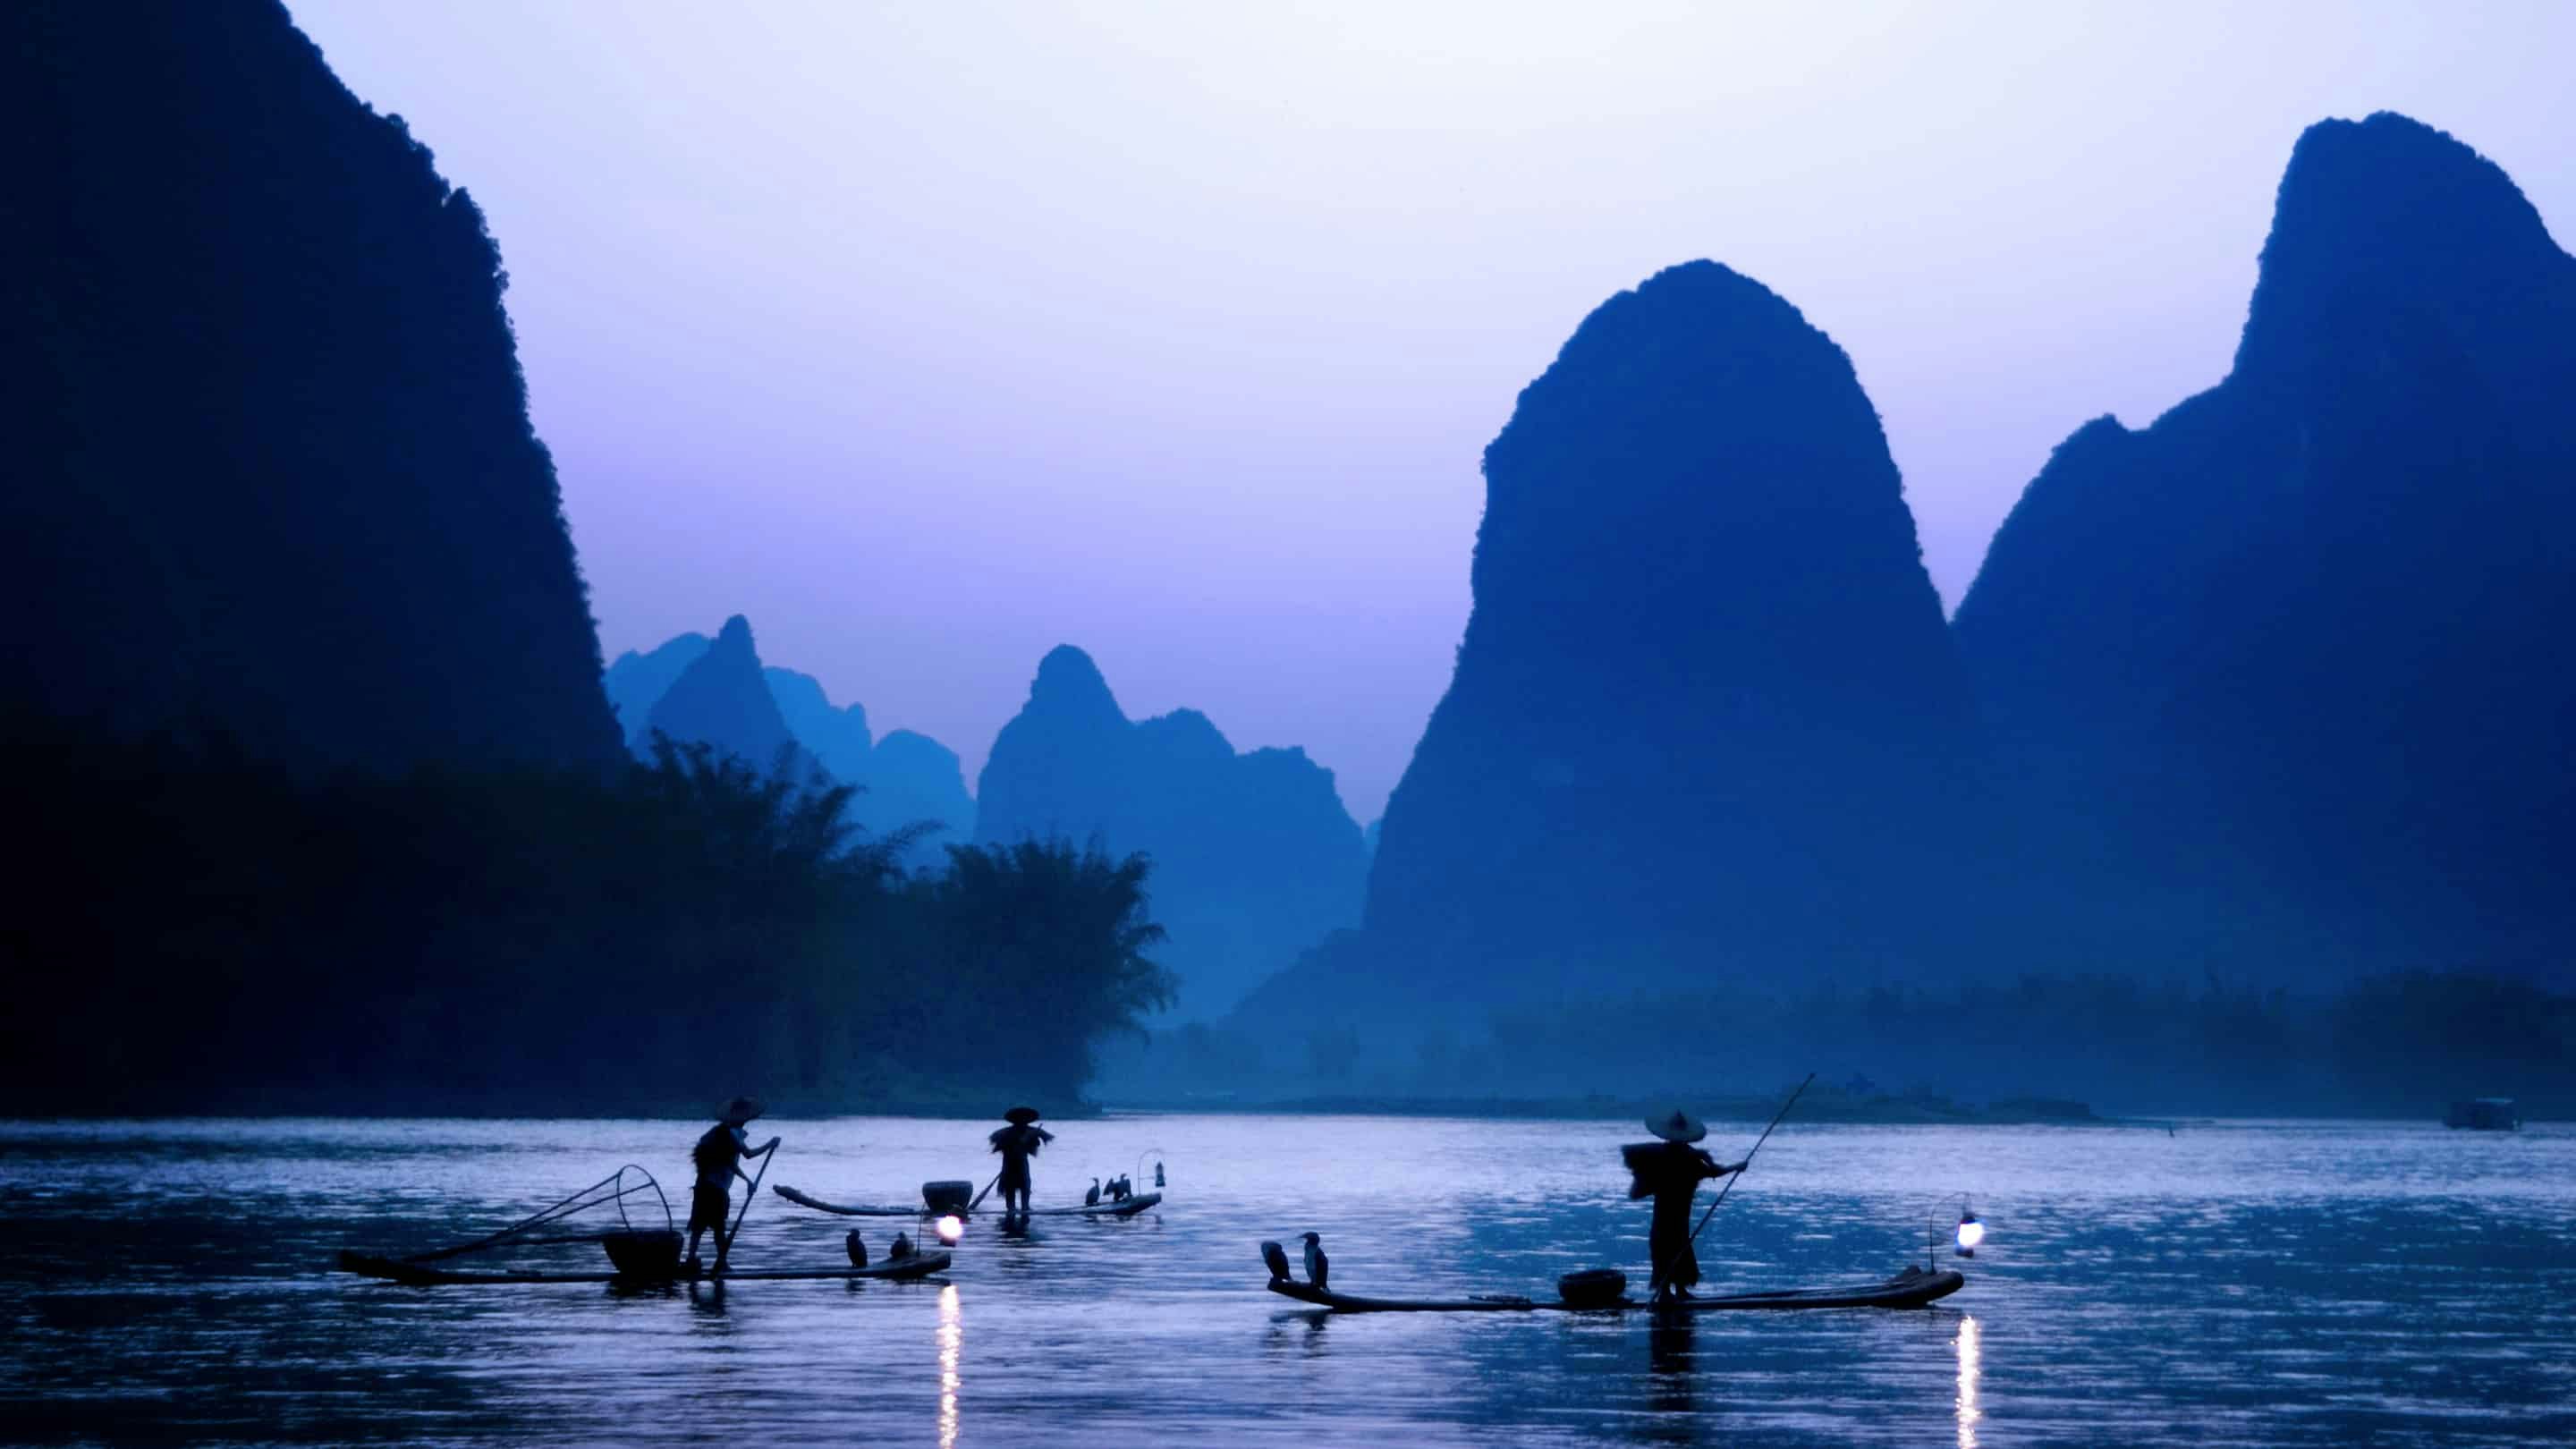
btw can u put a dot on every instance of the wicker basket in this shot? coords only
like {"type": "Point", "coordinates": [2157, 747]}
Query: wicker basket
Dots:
{"type": "Point", "coordinates": [639, 1254]}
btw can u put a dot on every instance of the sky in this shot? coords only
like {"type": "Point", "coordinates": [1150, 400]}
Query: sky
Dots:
{"type": "Point", "coordinates": [930, 336]}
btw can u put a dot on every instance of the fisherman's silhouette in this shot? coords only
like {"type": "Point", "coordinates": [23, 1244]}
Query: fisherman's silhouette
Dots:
{"type": "Point", "coordinates": [1017, 1143]}
{"type": "Point", "coordinates": [1670, 1171]}
{"type": "Point", "coordinates": [718, 1159]}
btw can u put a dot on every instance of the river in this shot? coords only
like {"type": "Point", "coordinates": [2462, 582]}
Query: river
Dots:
{"type": "Point", "coordinates": [2227, 1283]}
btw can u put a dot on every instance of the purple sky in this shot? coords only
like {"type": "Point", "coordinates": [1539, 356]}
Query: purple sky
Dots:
{"type": "Point", "coordinates": [930, 336]}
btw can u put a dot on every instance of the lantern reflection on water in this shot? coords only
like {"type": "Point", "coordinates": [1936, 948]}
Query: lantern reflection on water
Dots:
{"type": "Point", "coordinates": [952, 1340]}
{"type": "Point", "coordinates": [1969, 1370]}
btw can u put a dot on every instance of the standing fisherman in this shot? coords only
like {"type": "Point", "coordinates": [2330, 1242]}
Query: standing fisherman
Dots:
{"type": "Point", "coordinates": [1018, 1143]}
{"type": "Point", "coordinates": [1670, 1172]}
{"type": "Point", "coordinates": [718, 1158]}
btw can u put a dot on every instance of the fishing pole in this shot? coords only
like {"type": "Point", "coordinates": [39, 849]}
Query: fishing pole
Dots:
{"type": "Point", "coordinates": [1748, 1157]}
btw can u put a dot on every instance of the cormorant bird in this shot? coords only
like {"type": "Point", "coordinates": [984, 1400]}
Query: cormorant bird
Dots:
{"type": "Point", "coordinates": [1092, 1198]}
{"type": "Point", "coordinates": [858, 1250]}
{"type": "Point", "coordinates": [902, 1247]}
{"type": "Point", "coordinates": [1277, 1257]}
{"type": "Point", "coordinates": [1317, 1265]}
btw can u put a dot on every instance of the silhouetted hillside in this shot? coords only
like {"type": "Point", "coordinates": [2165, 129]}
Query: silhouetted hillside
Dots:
{"type": "Point", "coordinates": [1706, 724]}
{"type": "Point", "coordinates": [270, 465]}
{"type": "Point", "coordinates": [1254, 857]}
{"type": "Point", "coordinates": [2288, 675]}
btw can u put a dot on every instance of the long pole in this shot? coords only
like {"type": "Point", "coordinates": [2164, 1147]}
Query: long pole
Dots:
{"type": "Point", "coordinates": [979, 1197]}
{"type": "Point", "coordinates": [1661, 1264]}
{"type": "Point", "coordinates": [725, 1248]}
{"type": "Point", "coordinates": [1748, 1157]}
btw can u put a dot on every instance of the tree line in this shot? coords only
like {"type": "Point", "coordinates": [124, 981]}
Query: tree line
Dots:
{"type": "Point", "coordinates": [202, 931]}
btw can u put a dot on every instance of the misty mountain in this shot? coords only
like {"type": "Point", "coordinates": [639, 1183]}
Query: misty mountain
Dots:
{"type": "Point", "coordinates": [636, 681]}
{"type": "Point", "coordinates": [272, 472]}
{"type": "Point", "coordinates": [1706, 724]}
{"type": "Point", "coordinates": [904, 779]}
{"type": "Point", "coordinates": [722, 699]}
{"type": "Point", "coordinates": [1254, 857]}
{"type": "Point", "coordinates": [2287, 675]}
{"type": "Point", "coordinates": [907, 778]}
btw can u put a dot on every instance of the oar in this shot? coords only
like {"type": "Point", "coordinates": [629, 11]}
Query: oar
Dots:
{"type": "Point", "coordinates": [979, 1197]}
{"type": "Point", "coordinates": [1661, 1264]}
{"type": "Point", "coordinates": [725, 1248]}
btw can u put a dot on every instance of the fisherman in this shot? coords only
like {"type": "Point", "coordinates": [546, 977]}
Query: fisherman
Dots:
{"type": "Point", "coordinates": [1670, 1171]}
{"type": "Point", "coordinates": [1018, 1143]}
{"type": "Point", "coordinates": [718, 1158]}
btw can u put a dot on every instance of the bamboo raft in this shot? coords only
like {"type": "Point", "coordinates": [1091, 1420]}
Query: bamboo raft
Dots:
{"type": "Point", "coordinates": [638, 1256]}
{"type": "Point", "coordinates": [1913, 1288]}
{"type": "Point", "coordinates": [421, 1275]}
{"type": "Point", "coordinates": [1105, 1208]}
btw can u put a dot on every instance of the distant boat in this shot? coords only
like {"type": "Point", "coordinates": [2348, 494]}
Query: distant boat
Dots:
{"type": "Point", "coordinates": [2485, 1114]}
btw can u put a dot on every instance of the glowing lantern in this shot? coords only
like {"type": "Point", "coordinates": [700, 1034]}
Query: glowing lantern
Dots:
{"type": "Point", "coordinates": [1971, 1232]}
{"type": "Point", "coordinates": [953, 1227]}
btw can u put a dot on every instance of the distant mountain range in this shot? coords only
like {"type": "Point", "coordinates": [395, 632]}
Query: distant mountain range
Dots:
{"type": "Point", "coordinates": [717, 691]}
{"type": "Point", "coordinates": [2278, 687]}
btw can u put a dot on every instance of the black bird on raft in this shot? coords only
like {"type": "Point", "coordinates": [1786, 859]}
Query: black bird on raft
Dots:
{"type": "Point", "coordinates": [858, 1250]}
{"type": "Point", "coordinates": [1092, 1198]}
{"type": "Point", "coordinates": [1277, 1257]}
{"type": "Point", "coordinates": [1317, 1265]}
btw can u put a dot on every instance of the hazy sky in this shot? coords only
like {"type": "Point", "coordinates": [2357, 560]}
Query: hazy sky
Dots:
{"type": "Point", "coordinates": [930, 336]}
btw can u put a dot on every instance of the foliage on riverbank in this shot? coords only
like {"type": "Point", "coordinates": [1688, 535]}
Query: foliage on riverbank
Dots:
{"type": "Point", "coordinates": [198, 932]}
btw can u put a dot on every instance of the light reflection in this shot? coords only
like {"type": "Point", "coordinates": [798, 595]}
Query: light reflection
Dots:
{"type": "Point", "coordinates": [952, 1340]}
{"type": "Point", "coordinates": [1969, 1413]}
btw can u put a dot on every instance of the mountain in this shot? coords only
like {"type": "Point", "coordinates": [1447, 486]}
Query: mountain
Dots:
{"type": "Point", "coordinates": [637, 681]}
{"type": "Point", "coordinates": [722, 699]}
{"type": "Point", "coordinates": [1706, 724]}
{"type": "Point", "coordinates": [272, 475]}
{"type": "Point", "coordinates": [1254, 857]}
{"type": "Point", "coordinates": [904, 779]}
{"type": "Point", "coordinates": [2286, 676]}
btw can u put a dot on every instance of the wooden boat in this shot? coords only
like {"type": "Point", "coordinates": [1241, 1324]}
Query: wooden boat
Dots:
{"type": "Point", "coordinates": [1101, 1209]}
{"type": "Point", "coordinates": [919, 1265]}
{"type": "Point", "coordinates": [1912, 1288]}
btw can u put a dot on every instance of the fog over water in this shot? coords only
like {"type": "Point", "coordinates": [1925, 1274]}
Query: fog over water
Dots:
{"type": "Point", "coordinates": [849, 318]}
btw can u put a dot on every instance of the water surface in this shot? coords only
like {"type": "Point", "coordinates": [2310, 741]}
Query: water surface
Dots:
{"type": "Point", "coordinates": [2235, 1283]}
